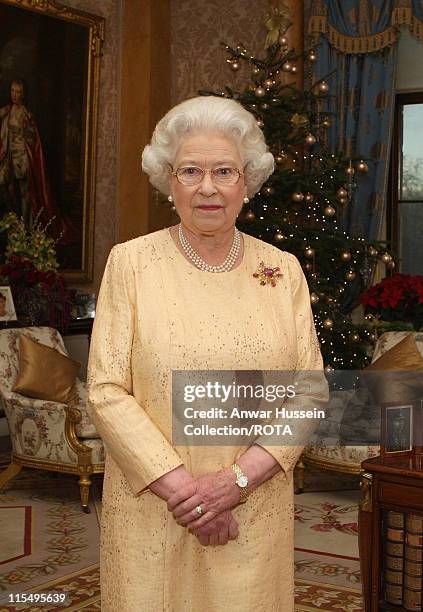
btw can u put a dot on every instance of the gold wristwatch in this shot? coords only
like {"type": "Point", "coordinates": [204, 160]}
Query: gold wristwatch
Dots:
{"type": "Point", "coordinates": [242, 482]}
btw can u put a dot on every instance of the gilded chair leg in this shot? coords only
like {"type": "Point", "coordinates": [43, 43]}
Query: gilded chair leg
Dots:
{"type": "Point", "coordinates": [299, 472]}
{"type": "Point", "coordinates": [10, 472]}
{"type": "Point", "coordinates": [84, 488]}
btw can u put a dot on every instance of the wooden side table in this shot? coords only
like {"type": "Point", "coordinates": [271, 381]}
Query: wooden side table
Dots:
{"type": "Point", "coordinates": [393, 485]}
{"type": "Point", "coordinates": [74, 327]}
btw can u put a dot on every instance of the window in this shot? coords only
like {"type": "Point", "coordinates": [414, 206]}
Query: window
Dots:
{"type": "Point", "coordinates": [405, 210]}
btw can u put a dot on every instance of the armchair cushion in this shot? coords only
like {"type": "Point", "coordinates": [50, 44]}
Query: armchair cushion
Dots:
{"type": "Point", "coordinates": [405, 360]}
{"type": "Point", "coordinates": [44, 373]}
{"type": "Point", "coordinates": [9, 367]}
{"type": "Point", "coordinates": [389, 339]}
{"type": "Point", "coordinates": [404, 355]}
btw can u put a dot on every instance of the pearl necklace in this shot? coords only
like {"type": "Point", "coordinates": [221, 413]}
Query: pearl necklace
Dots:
{"type": "Point", "coordinates": [199, 261]}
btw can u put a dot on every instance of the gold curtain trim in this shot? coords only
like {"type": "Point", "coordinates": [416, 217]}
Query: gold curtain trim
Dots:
{"type": "Point", "coordinates": [401, 16]}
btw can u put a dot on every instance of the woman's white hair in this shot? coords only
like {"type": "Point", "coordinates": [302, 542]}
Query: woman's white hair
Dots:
{"type": "Point", "coordinates": [208, 114]}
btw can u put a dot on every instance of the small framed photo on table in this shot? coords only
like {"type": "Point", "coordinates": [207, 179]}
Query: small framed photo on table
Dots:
{"type": "Point", "coordinates": [397, 430]}
{"type": "Point", "coordinates": [7, 307]}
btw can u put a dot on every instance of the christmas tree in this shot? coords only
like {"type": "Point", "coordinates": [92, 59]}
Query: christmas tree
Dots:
{"type": "Point", "coordinates": [302, 206]}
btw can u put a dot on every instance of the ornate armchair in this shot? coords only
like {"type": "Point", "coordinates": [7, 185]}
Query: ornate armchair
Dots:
{"type": "Point", "coordinates": [47, 435]}
{"type": "Point", "coordinates": [334, 456]}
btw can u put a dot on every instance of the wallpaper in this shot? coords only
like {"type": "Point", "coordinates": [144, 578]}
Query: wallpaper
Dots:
{"type": "Point", "coordinates": [107, 139]}
{"type": "Point", "coordinates": [197, 28]}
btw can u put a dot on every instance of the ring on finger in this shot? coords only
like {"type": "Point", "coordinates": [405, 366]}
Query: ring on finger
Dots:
{"type": "Point", "coordinates": [199, 510]}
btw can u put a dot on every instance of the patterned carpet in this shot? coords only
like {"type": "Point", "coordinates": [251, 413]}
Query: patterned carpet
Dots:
{"type": "Point", "coordinates": [325, 525]}
{"type": "Point", "coordinates": [54, 546]}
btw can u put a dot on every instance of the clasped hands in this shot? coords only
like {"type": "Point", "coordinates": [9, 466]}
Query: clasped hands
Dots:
{"type": "Point", "coordinates": [216, 493]}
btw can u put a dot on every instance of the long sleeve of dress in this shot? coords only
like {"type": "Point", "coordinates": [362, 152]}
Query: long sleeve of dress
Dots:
{"type": "Point", "coordinates": [133, 440]}
{"type": "Point", "coordinates": [312, 388]}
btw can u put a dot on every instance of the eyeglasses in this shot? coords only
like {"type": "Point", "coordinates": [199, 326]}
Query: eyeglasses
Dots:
{"type": "Point", "coordinates": [192, 175]}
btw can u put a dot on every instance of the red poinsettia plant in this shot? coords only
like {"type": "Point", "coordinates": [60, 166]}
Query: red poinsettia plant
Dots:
{"type": "Point", "coordinates": [396, 298]}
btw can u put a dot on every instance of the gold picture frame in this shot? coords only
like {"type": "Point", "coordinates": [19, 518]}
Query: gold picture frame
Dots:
{"type": "Point", "coordinates": [50, 67]}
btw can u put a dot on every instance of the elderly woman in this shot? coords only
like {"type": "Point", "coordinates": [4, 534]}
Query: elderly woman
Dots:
{"type": "Point", "coordinates": [196, 527]}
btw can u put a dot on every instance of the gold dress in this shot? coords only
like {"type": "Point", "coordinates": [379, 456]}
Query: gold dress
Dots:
{"type": "Point", "coordinates": [157, 313]}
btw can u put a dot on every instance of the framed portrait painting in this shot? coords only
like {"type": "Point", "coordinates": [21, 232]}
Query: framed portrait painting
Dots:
{"type": "Point", "coordinates": [49, 87]}
{"type": "Point", "coordinates": [397, 430]}
{"type": "Point", "coordinates": [7, 307]}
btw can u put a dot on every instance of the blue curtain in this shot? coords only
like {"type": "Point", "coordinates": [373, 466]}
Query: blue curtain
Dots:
{"type": "Point", "coordinates": [357, 40]}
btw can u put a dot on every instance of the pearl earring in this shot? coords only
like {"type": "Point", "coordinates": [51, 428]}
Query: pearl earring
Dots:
{"type": "Point", "coordinates": [170, 198]}
{"type": "Point", "coordinates": [246, 200]}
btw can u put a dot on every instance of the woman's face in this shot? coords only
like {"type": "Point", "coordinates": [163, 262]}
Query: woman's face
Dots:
{"type": "Point", "coordinates": [16, 93]}
{"type": "Point", "coordinates": [208, 208]}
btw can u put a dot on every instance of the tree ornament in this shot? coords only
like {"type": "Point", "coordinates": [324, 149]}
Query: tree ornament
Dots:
{"type": "Point", "coordinates": [294, 70]}
{"type": "Point", "coordinates": [268, 83]}
{"type": "Point", "coordinates": [343, 201]}
{"type": "Point", "coordinates": [326, 122]}
{"type": "Point", "coordinates": [312, 55]}
{"type": "Point", "coordinates": [350, 275]}
{"type": "Point", "coordinates": [309, 252]}
{"type": "Point", "coordinates": [323, 87]}
{"type": "Point", "coordinates": [299, 121]}
{"type": "Point", "coordinates": [342, 193]}
{"type": "Point", "coordinates": [310, 139]}
{"type": "Point", "coordinates": [260, 91]}
{"type": "Point", "coordinates": [260, 123]}
{"type": "Point", "coordinates": [235, 66]}
{"type": "Point", "coordinates": [350, 171]}
{"type": "Point", "coordinates": [391, 265]}
{"type": "Point", "coordinates": [249, 215]}
{"type": "Point", "coordinates": [309, 197]}
{"type": "Point", "coordinates": [328, 323]}
{"type": "Point", "coordinates": [362, 166]}
{"type": "Point", "coordinates": [269, 190]}
{"type": "Point", "coordinates": [346, 256]}
{"type": "Point", "coordinates": [329, 211]}
{"type": "Point", "coordinates": [386, 258]}
{"type": "Point", "coordinates": [298, 196]}
{"type": "Point", "coordinates": [354, 337]}
{"type": "Point", "coordinates": [287, 66]}
{"type": "Point", "coordinates": [256, 70]}
{"type": "Point", "coordinates": [279, 237]}
{"type": "Point", "coordinates": [372, 251]}
{"type": "Point", "coordinates": [314, 298]}
{"type": "Point", "coordinates": [308, 266]}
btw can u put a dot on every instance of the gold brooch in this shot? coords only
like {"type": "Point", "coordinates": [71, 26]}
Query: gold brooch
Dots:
{"type": "Point", "coordinates": [267, 275]}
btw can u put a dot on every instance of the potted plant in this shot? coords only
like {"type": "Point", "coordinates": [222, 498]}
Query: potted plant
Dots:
{"type": "Point", "coordinates": [396, 300]}
{"type": "Point", "coordinates": [30, 267]}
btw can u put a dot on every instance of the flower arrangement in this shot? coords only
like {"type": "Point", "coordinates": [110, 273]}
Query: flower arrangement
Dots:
{"type": "Point", "coordinates": [30, 268]}
{"type": "Point", "coordinates": [396, 298]}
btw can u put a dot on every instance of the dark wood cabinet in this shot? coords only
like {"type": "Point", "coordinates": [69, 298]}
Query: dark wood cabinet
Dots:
{"type": "Point", "coordinates": [74, 327]}
{"type": "Point", "coordinates": [390, 533]}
